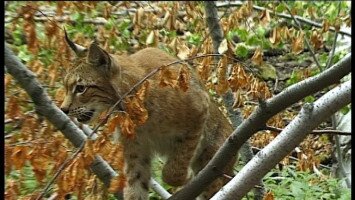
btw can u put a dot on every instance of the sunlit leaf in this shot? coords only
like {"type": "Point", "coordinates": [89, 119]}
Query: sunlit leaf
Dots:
{"type": "Point", "coordinates": [223, 47]}
{"type": "Point", "coordinates": [222, 84]}
{"type": "Point", "coordinates": [183, 79]}
{"type": "Point", "coordinates": [257, 58]}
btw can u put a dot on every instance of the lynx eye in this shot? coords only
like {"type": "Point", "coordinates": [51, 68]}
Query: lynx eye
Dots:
{"type": "Point", "coordinates": [80, 89]}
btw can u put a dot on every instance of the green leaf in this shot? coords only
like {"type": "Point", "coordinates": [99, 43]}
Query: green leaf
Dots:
{"type": "Point", "coordinates": [280, 8]}
{"type": "Point", "coordinates": [309, 99]}
{"type": "Point", "coordinates": [78, 17]}
{"type": "Point", "coordinates": [241, 51]}
{"type": "Point", "coordinates": [242, 33]}
{"type": "Point", "coordinates": [260, 31]}
{"type": "Point", "coordinates": [253, 40]}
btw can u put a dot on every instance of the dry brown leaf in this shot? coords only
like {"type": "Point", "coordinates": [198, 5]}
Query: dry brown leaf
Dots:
{"type": "Point", "coordinates": [117, 184]}
{"type": "Point", "coordinates": [59, 95]}
{"type": "Point", "coordinates": [222, 84]}
{"type": "Point", "coordinates": [269, 196]}
{"type": "Point", "coordinates": [88, 153]}
{"type": "Point", "coordinates": [183, 79]}
{"type": "Point", "coordinates": [13, 108]}
{"type": "Point", "coordinates": [127, 126]}
{"type": "Point", "coordinates": [137, 20]}
{"type": "Point", "coordinates": [166, 78]}
{"type": "Point", "coordinates": [38, 162]}
{"type": "Point", "coordinates": [325, 26]}
{"type": "Point", "coordinates": [257, 58]}
{"type": "Point", "coordinates": [8, 163]}
{"type": "Point", "coordinates": [204, 70]}
{"type": "Point", "coordinates": [275, 37]}
{"type": "Point", "coordinates": [112, 124]}
{"type": "Point", "coordinates": [12, 190]}
{"type": "Point", "coordinates": [238, 79]}
{"type": "Point", "coordinates": [238, 99]}
{"type": "Point", "coordinates": [316, 40]}
{"type": "Point", "coordinates": [183, 51]}
{"type": "Point", "coordinates": [265, 17]}
{"type": "Point", "coordinates": [18, 157]}
{"type": "Point", "coordinates": [173, 45]}
{"type": "Point", "coordinates": [297, 45]}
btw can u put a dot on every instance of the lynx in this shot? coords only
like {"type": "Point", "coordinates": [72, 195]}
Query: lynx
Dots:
{"type": "Point", "coordinates": [186, 128]}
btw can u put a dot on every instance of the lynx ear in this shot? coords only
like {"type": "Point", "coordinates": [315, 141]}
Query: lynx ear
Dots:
{"type": "Point", "coordinates": [80, 51]}
{"type": "Point", "coordinates": [99, 58]}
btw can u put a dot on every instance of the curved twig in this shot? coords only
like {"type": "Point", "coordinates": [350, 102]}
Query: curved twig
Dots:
{"type": "Point", "coordinates": [303, 20]}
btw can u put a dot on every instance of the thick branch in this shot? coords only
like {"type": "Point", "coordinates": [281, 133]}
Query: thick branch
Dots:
{"type": "Point", "coordinates": [216, 32]}
{"type": "Point", "coordinates": [257, 120]}
{"type": "Point", "coordinates": [44, 106]}
{"type": "Point", "coordinates": [309, 118]}
{"type": "Point", "coordinates": [213, 24]}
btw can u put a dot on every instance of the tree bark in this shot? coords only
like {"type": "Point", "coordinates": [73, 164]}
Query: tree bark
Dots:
{"type": "Point", "coordinates": [44, 106]}
{"type": "Point", "coordinates": [257, 120]}
{"type": "Point", "coordinates": [309, 118]}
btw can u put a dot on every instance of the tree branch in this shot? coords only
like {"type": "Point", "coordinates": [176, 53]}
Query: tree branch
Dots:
{"type": "Point", "coordinates": [301, 19]}
{"type": "Point", "coordinates": [216, 32]}
{"type": "Point", "coordinates": [310, 117]}
{"type": "Point", "coordinates": [44, 106]}
{"type": "Point", "coordinates": [257, 120]}
{"type": "Point", "coordinates": [314, 132]}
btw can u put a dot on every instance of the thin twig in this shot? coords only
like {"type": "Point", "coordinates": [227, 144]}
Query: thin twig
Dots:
{"type": "Point", "coordinates": [303, 20]}
{"type": "Point", "coordinates": [332, 52]}
{"type": "Point", "coordinates": [59, 171]}
{"type": "Point", "coordinates": [314, 132]}
{"type": "Point", "coordinates": [305, 38]}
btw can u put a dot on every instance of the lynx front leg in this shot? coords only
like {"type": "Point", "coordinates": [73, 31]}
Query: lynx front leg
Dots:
{"type": "Point", "coordinates": [137, 170]}
{"type": "Point", "coordinates": [175, 171]}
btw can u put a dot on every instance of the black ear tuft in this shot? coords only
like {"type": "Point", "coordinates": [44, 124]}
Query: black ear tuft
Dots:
{"type": "Point", "coordinates": [79, 50]}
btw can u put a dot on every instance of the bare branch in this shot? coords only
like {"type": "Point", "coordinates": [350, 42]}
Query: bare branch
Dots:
{"type": "Point", "coordinates": [314, 132]}
{"type": "Point", "coordinates": [159, 189]}
{"type": "Point", "coordinates": [310, 117]}
{"type": "Point", "coordinates": [301, 19]}
{"type": "Point", "coordinates": [305, 38]}
{"type": "Point", "coordinates": [45, 107]}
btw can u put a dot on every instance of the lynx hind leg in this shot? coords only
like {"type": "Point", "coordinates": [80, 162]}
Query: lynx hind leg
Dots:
{"type": "Point", "coordinates": [137, 170]}
{"type": "Point", "coordinates": [176, 170]}
{"type": "Point", "coordinates": [204, 156]}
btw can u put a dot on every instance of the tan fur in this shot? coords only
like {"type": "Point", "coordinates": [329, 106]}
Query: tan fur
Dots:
{"type": "Point", "coordinates": [185, 127]}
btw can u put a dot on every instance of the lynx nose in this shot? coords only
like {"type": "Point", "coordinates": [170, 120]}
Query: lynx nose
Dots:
{"type": "Point", "coordinates": [65, 110]}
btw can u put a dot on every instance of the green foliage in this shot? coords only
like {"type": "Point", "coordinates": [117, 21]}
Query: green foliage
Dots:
{"type": "Point", "coordinates": [24, 54]}
{"type": "Point", "coordinates": [292, 184]}
{"type": "Point", "coordinates": [194, 39]}
{"type": "Point", "coordinates": [294, 78]}
{"type": "Point", "coordinates": [241, 51]}
{"type": "Point", "coordinates": [309, 99]}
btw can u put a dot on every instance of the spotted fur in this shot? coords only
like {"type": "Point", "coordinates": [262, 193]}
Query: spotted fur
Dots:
{"type": "Point", "coordinates": [186, 128]}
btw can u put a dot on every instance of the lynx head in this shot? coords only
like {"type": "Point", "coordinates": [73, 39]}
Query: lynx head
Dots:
{"type": "Point", "coordinates": [88, 91]}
